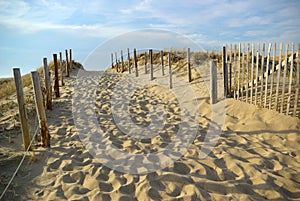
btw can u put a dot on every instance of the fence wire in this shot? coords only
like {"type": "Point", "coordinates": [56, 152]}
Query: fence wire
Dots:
{"type": "Point", "coordinates": [23, 158]}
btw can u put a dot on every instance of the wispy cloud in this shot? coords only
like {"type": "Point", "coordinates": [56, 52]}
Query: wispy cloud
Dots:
{"type": "Point", "coordinates": [209, 23]}
{"type": "Point", "coordinates": [188, 17]}
{"type": "Point", "coordinates": [143, 6]}
{"type": "Point", "coordinates": [83, 30]}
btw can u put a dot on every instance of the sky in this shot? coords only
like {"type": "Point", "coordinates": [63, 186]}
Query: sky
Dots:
{"type": "Point", "coordinates": [33, 29]}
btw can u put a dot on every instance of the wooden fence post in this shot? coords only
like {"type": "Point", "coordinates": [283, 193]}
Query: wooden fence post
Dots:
{"type": "Point", "coordinates": [297, 82]}
{"type": "Point", "coordinates": [243, 69]}
{"type": "Point", "coordinates": [22, 108]}
{"type": "Point", "coordinates": [47, 85]}
{"type": "Point", "coordinates": [252, 72]}
{"type": "Point", "coordinates": [129, 65]}
{"type": "Point", "coordinates": [248, 70]}
{"type": "Point", "coordinates": [135, 63]}
{"type": "Point", "coordinates": [122, 62]}
{"type": "Point", "coordinates": [151, 64]}
{"type": "Point", "coordinates": [117, 63]}
{"type": "Point", "coordinates": [230, 71]}
{"type": "Point", "coordinates": [230, 79]}
{"type": "Point", "coordinates": [71, 60]}
{"type": "Point", "coordinates": [267, 74]}
{"type": "Point", "coordinates": [234, 72]}
{"type": "Point", "coordinates": [290, 82]}
{"type": "Point", "coordinates": [162, 62]}
{"type": "Point", "coordinates": [56, 83]}
{"type": "Point", "coordinates": [278, 77]}
{"type": "Point", "coordinates": [67, 64]}
{"type": "Point", "coordinates": [61, 69]}
{"type": "Point", "coordinates": [284, 77]}
{"type": "Point", "coordinates": [45, 136]}
{"type": "Point", "coordinates": [226, 55]}
{"type": "Point", "coordinates": [256, 72]}
{"type": "Point", "coordinates": [272, 76]}
{"type": "Point", "coordinates": [145, 60]}
{"type": "Point", "coordinates": [225, 72]}
{"type": "Point", "coordinates": [189, 72]}
{"type": "Point", "coordinates": [239, 71]}
{"type": "Point", "coordinates": [262, 72]}
{"type": "Point", "coordinates": [213, 82]}
{"type": "Point", "coordinates": [170, 70]}
{"type": "Point", "coordinates": [112, 60]}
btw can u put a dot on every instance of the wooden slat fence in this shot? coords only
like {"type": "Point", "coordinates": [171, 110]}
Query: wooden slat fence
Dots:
{"type": "Point", "coordinates": [264, 75]}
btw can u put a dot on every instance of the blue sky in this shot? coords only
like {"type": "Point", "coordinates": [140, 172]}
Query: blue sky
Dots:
{"type": "Point", "coordinates": [31, 30]}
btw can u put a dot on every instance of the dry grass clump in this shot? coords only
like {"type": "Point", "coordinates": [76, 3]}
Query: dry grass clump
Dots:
{"type": "Point", "coordinates": [7, 85]}
{"type": "Point", "coordinates": [199, 58]}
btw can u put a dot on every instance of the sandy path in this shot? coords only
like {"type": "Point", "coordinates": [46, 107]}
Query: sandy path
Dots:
{"type": "Point", "coordinates": [257, 156]}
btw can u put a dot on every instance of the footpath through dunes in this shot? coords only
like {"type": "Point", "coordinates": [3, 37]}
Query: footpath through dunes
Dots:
{"type": "Point", "coordinates": [256, 157]}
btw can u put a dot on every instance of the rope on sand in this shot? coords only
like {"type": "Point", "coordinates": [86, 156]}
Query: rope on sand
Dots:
{"type": "Point", "coordinates": [16, 171]}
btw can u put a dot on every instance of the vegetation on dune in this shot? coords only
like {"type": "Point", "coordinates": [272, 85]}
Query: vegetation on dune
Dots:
{"type": "Point", "coordinates": [7, 85]}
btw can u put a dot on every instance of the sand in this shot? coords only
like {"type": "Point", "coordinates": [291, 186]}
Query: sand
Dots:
{"type": "Point", "coordinates": [256, 156]}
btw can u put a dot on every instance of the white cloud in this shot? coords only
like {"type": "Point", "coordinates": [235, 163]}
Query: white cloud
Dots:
{"type": "Point", "coordinates": [83, 30]}
{"type": "Point", "coordinates": [105, 19]}
{"type": "Point", "coordinates": [256, 33]}
{"type": "Point", "coordinates": [143, 6]}
{"type": "Point", "coordinates": [49, 15]}
{"type": "Point", "coordinates": [248, 21]}
{"type": "Point", "coordinates": [13, 8]}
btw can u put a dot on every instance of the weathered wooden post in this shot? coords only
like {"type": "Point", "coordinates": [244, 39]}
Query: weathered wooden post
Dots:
{"type": "Point", "coordinates": [284, 77]}
{"type": "Point", "coordinates": [145, 61]}
{"type": "Point", "coordinates": [67, 64]}
{"type": "Point", "coordinates": [61, 69]}
{"type": "Point", "coordinates": [117, 63]}
{"type": "Point", "coordinates": [129, 64]}
{"type": "Point", "coordinates": [252, 72]}
{"type": "Point", "coordinates": [22, 109]}
{"type": "Point", "coordinates": [290, 81]}
{"type": "Point", "coordinates": [278, 76]}
{"type": "Point", "coordinates": [234, 72]}
{"type": "Point", "coordinates": [272, 77]}
{"type": "Point", "coordinates": [256, 74]}
{"type": "Point", "coordinates": [71, 60]}
{"type": "Point", "coordinates": [262, 72]}
{"type": "Point", "coordinates": [162, 62]}
{"type": "Point", "coordinates": [122, 62]}
{"type": "Point", "coordinates": [189, 72]}
{"type": "Point", "coordinates": [230, 79]}
{"type": "Point", "coordinates": [225, 72]}
{"type": "Point", "coordinates": [267, 74]}
{"type": "Point", "coordinates": [170, 70]}
{"type": "Point", "coordinates": [230, 71]}
{"type": "Point", "coordinates": [112, 60]}
{"type": "Point", "coordinates": [56, 83]}
{"type": "Point", "coordinates": [47, 85]}
{"type": "Point", "coordinates": [239, 71]}
{"type": "Point", "coordinates": [213, 82]}
{"type": "Point", "coordinates": [248, 70]}
{"type": "Point", "coordinates": [135, 63]}
{"type": "Point", "coordinates": [297, 82]}
{"type": "Point", "coordinates": [151, 64]}
{"type": "Point", "coordinates": [243, 69]}
{"type": "Point", "coordinates": [45, 136]}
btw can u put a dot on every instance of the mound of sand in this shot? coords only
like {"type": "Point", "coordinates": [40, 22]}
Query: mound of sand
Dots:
{"type": "Point", "coordinates": [256, 157]}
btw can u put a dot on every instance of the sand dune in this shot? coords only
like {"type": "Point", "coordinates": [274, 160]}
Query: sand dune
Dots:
{"type": "Point", "coordinates": [256, 157]}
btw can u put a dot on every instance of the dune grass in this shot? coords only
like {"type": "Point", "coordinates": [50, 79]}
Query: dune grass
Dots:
{"type": "Point", "coordinates": [7, 85]}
